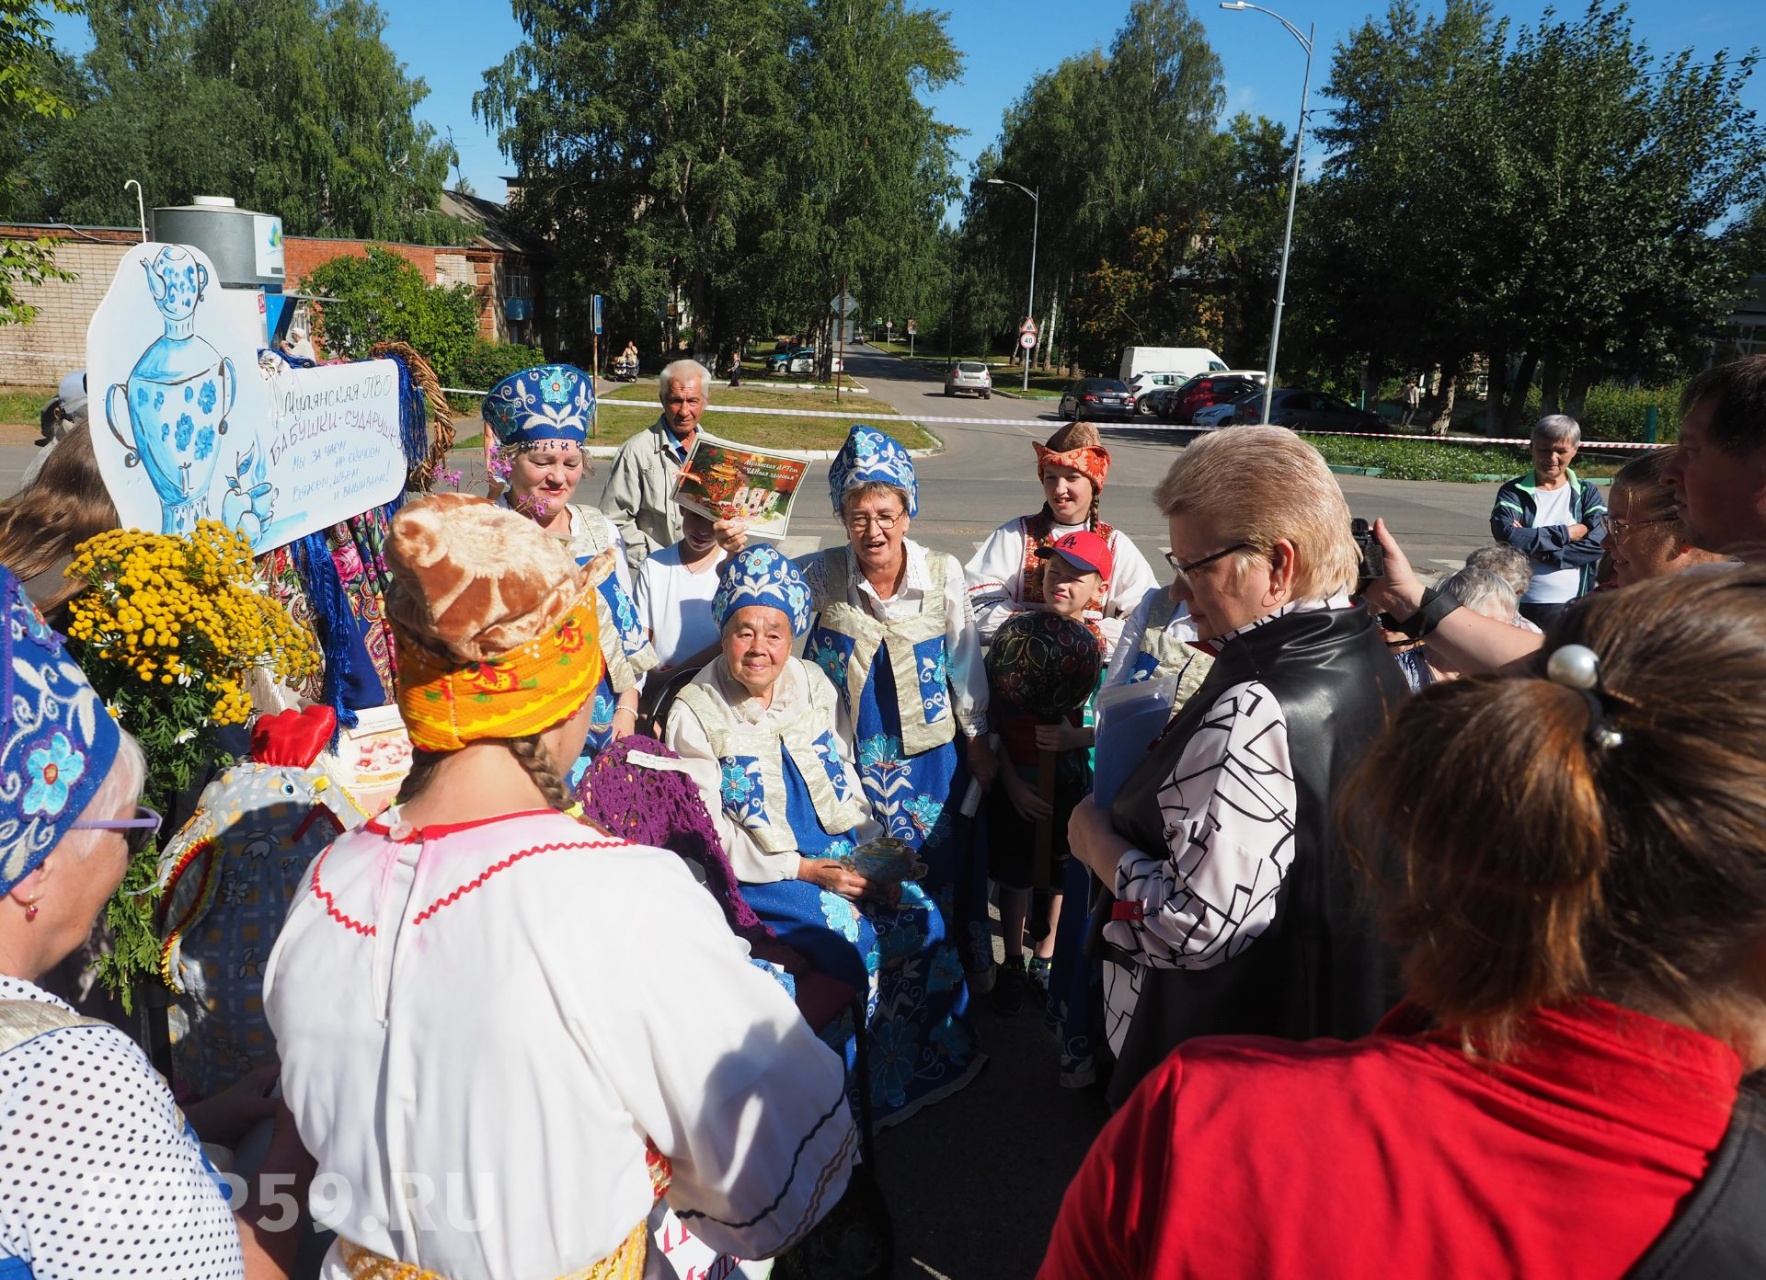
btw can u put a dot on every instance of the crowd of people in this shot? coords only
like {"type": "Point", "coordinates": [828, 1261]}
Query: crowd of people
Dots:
{"type": "Point", "coordinates": [1426, 933]}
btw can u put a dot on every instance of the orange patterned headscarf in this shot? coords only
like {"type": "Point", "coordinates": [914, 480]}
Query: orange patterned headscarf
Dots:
{"type": "Point", "coordinates": [1075, 445]}
{"type": "Point", "coordinates": [527, 690]}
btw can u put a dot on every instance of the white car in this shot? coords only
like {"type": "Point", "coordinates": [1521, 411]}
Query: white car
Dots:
{"type": "Point", "coordinates": [1149, 380]}
{"type": "Point", "coordinates": [1214, 414]}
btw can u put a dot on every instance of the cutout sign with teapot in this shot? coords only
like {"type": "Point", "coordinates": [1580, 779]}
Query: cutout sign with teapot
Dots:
{"type": "Point", "coordinates": [187, 426]}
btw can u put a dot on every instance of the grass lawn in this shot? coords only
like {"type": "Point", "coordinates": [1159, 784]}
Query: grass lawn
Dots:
{"type": "Point", "coordinates": [19, 406]}
{"type": "Point", "coordinates": [1417, 459]}
{"type": "Point", "coordinates": [630, 409]}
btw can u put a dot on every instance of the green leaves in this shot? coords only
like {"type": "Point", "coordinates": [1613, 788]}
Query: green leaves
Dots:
{"type": "Point", "coordinates": [383, 297]}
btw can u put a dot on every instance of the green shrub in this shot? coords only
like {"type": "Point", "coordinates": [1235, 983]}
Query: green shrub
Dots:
{"type": "Point", "coordinates": [383, 297]}
{"type": "Point", "coordinates": [1401, 459]}
{"type": "Point", "coordinates": [488, 363]}
{"type": "Point", "coordinates": [1615, 412]}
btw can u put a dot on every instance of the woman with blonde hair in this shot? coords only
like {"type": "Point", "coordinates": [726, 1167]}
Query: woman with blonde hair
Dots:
{"type": "Point", "coordinates": [43, 522]}
{"type": "Point", "coordinates": [549, 1028]}
{"type": "Point", "coordinates": [1232, 909]}
{"type": "Point", "coordinates": [1572, 860]}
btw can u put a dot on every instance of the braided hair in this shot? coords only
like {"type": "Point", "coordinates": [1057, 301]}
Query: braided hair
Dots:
{"type": "Point", "coordinates": [530, 752]}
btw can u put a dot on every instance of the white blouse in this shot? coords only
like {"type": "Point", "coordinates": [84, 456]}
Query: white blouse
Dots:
{"type": "Point", "coordinates": [962, 642]}
{"type": "Point", "coordinates": [99, 1174]}
{"type": "Point", "coordinates": [481, 1024]}
{"type": "Point", "coordinates": [995, 575]}
{"type": "Point", "coordinates": [674, 605]}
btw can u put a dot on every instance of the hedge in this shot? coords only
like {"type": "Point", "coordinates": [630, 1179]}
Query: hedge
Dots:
{"type": "Point", "coordinates": [1400, 459]}
{"type": "Point", "coordinates": [1620, 413]}
{"type": "Point", "coordinates": [487, 364]}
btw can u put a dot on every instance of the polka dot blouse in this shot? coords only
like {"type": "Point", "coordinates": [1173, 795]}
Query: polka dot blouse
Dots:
{"type": "Point", "coordinates": [98, 1174]}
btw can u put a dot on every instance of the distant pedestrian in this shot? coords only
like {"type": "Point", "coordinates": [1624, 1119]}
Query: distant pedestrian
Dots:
{"type": "Point", "coordinates": [1413, 399]}
{"type": "Point", "coordinates": [1557, 519]}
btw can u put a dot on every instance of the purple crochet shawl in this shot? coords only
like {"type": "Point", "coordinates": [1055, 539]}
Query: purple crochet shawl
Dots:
{"type": "Point", "coordinates": [663, 808]}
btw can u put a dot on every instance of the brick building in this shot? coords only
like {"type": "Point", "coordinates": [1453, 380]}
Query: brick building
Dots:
{"type": "Point", "coordinates": [498, 268]}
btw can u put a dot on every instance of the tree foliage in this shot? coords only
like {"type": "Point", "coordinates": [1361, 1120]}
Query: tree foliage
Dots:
{"type": "Point", "coordinates": [730, 157]}
{"type": "Point", "coordinates": [296, 107]}
{"type": "Point", "coordinates": [382, 297]}
{"type": "Point", "coordinates": [28, 107]}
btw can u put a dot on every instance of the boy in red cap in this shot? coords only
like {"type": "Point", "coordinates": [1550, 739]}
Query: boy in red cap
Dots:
{"type": "Point", "coordinates": [1076, 574]}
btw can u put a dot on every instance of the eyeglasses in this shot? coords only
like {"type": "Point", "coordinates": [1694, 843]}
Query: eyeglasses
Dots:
{"type": "Point", "coordinates": [1622, 527]}
{"type": "Point", "coordinates": [1184, 571]}
{"type": "Point", "coordinates": [138, 830]}
{"type": "Point", "coordinates": [862, 520]}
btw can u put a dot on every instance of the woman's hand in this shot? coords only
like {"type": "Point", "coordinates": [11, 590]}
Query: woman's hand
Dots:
{"type": "Point", "coordinates": [225, 1118]}
{"type": "Point", "coordinates": [1094, 841]}
{"type": "Point", "coordinates": [625, 716]}
{"type": "Point", "coordinates": [1030, 805]}
{"type": "Point", "coordinates": [1063, 736]}
{"type": "Point", "coordinates": [732, 534]}
{"type": "Point", "coordinates": [981, 761]}
{"type": "Point", "coordinates": [1400, 592]}
{"type": "Point", "coordinates": [827, 873]}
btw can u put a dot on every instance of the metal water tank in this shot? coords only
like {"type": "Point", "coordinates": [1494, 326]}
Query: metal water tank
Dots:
{"type": "Point", "coordinates": [246, 247]}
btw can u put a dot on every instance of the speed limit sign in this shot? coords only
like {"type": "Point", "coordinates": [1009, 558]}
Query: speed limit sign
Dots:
{"type": "Point", "coordinates": [1027, 339]}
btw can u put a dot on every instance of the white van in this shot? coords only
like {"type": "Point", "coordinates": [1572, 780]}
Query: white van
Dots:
{"type": "Point", "coordinates": [1185, 362]}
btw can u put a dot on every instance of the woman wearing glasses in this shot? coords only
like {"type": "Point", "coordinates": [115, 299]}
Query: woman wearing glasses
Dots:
{"type": "Point", "coordinates": [102, 1175]}
{"type": "Point", "coordinates": [895, 637]}
{"type": "Point", "coordinates": [1645, 538]}
{"type": "Point", "coordinates": [1233, 911]}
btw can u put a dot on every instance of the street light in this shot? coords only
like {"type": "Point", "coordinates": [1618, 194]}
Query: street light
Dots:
{"type": "Point", "coordinates": [1281, 288]}
{"type": "Point", "coordinates": [1035, 227]}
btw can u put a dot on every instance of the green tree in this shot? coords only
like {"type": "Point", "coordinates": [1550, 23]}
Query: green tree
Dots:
{"type": "Point", "coordinates": [296, 107]}
{"type": "Point", "coordinates": [382, 297]}
{"type": "Point", "coordinates": [27, 103]}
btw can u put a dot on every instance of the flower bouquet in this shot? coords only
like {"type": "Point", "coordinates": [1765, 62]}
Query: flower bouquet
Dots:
{"type": "Point", "coordinates": [167, 628]}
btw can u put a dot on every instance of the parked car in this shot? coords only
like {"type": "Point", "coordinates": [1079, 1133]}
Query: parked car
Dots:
{"type": "Point", "coordinates": [800, 360]}
{"type": "Point", "coordinates": [1097, 398]}
{"type": "Point", "coordinates": [1307, 411]}
{"type": "Point", "coordinates": [1216, 415]}
{"type": "Point", "coordinates": [1205, 389]}
{"type": "Point", "coordinates": [1153, 380]}
{"type": "Point", "coordinates": [969, 375]}
{"type": "Point", "coordinates": [1182, 361]}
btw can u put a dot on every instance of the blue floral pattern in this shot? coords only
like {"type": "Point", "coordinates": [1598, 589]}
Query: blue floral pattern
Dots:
{"type": "Point", "coordinates": [759, 575]}
{"type": "Point", "coordinates": [830, 652]}
{"type": "Point", "coordinates": [53, 770]}
{"type": "Point", "coordinates": [742, 791]}
{"type": "Point", "coordinates": [546, 402]}
{"type": "Point", "coordinates": [828, 751]}
{"type": "Point", "coordinates": [870, 455]}
{"type": "Point", "coordinates": [933, 668]}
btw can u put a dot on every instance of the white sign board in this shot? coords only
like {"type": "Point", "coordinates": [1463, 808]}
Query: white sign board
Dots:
{"type": "Point", "coordinates": [186, 427]}
{"type": "Point", "coordinates": [1027, 339]}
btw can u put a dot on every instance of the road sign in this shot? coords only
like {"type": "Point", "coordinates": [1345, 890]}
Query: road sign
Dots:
{"type": "Point", "coordinates": [595, 307]}
{"type": "Point", "coordinates": [1027, 339]}
{"type": "Point", "coordinates": [844, 305]}
{"type": "Point", "coordinates": [913, 327]}
{"type": "Point", "coordinates": [1029, 325]}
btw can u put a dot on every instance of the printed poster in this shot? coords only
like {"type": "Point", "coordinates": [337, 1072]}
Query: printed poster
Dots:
{"type": "Point", "coordinates": [724, 482]}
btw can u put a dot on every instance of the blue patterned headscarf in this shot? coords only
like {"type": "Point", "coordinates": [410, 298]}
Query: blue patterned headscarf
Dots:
{"type": "Point", "coordinates": [57, 739]}
{"type": "Point", "coordinates": [545, 403]}
{"type": "Point", "coordinates": [870, 455]}
{"type": "Point", "coordinates": [760, 575]}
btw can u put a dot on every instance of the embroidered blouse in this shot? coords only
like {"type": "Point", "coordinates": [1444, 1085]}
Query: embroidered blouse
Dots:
{"type": "Point", "coordinates": [101, 1174]}
{"type": "Point", "coordinates": [792, 702]}
{"type": "Point", "coordinates": [482, 1024]}
{"type": "Point", "coordinates": [962, 647]}
{"type": "Point", "coordinates": [995, 576]}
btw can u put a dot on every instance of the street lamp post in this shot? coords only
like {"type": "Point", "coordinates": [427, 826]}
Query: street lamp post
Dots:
{"type": "Point", "coordinates": [1035, 228]}
{"type": "Point", "coordinates": [1281, 288]}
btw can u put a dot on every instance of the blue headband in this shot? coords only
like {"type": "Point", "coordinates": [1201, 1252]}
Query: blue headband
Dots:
{"type": "Point", "coordinates": [545, 403]}
{"type": "Point", "coordinates": [57, 740]}
{"type": "Point", "coordinates": [867, 456]}
{"type": "Point", "coordinates": [760, 575]}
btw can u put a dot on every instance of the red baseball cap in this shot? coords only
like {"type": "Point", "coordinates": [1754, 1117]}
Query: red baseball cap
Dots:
{"type": "Point", "coordinates": [1084, 550]}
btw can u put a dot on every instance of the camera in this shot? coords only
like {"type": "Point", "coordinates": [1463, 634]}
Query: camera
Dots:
{"type": "Point", "coordinates": [1373, 555]}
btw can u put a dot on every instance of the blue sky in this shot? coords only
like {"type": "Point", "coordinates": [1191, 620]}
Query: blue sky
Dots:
{"type": "Point", "coordinates": [1006, 43]}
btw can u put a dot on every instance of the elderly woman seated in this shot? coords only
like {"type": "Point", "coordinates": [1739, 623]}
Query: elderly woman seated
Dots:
{"type": "Point", "coordinates": [767, 739]}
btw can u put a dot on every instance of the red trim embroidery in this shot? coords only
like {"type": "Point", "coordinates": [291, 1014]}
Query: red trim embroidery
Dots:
{"type": "Point", "coordinates": [504, 865]}
{"type": "Point", "coordinates": [324, 895]}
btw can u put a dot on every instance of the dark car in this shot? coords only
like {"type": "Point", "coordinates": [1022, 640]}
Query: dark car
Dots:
{"type": "Point", "coordinates": [1097, 398]}
{"type": "Point", "coordinates": [1180, 403]}
{"type": "Point", "coordinates": [1306, 411]}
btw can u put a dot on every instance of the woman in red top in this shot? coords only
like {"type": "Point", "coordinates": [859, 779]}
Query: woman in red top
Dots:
{"type": "Point", "coordinates": [1578, 880]}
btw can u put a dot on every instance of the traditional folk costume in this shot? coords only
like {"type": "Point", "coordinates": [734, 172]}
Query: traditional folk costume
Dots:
{"type": "Point", "coordinates": [909, 671]}
{"type": "Point", "coordinates": [779, 782]}
{"type": "Point", "coordinates": [1160, 640]}
{"type": "Point", "coordinates": [101, 1174]}
{"type": "Point", "coordinates": [549, 406]}
{"type": "Point", "coordinates": [1005, 575]}
{"type": "Point", "coordinates": [445, 1003]}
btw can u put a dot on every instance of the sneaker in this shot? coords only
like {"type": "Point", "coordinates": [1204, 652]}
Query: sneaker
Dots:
{"type": "Point", "coordinates": [1040, 967]}
{"type": "Point", "coordinates": [1008, 989]}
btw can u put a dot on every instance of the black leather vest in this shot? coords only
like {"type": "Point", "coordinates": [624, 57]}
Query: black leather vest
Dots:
{"type": "Point", "coordinates": [1319, 969]}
